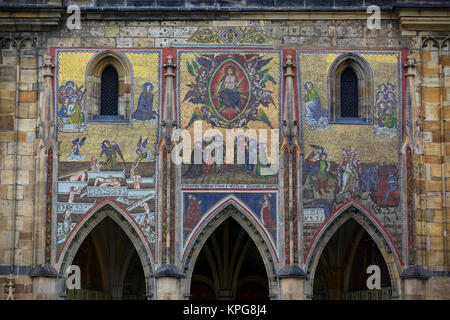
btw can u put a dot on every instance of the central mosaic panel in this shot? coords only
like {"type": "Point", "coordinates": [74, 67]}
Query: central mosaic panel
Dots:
{"type": "Point", "coordinates": [229, 90]}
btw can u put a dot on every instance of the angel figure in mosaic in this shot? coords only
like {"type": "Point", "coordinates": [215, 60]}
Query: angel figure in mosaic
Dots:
{"type": "Point", "coordinates": [74, 154]}
{"type": "Point", "coordinates": [111, 151]}
{"type": "Point", "coordinates": [141, 150]}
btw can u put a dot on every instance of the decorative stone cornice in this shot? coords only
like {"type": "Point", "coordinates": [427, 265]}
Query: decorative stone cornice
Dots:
{"type": "Point", "coordinates": [424, 20]}
{"type": "Point", "coordinates": [31, 18]}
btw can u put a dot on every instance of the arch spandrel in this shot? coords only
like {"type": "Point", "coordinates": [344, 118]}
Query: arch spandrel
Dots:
{"type": "Point", "coordinates": [106, 208]}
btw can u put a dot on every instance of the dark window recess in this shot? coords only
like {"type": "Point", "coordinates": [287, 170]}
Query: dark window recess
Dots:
{"type": "Point", "coordinates": [349, 94]}
{"type": "Point", "coordinates": [109, 99]}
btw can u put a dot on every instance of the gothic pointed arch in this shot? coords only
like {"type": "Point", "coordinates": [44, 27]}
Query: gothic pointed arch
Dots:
{"type": "Point", "coordinates": [230, 207]}
{"type": "Point", "coordinates": [354, 211]}
{"type": "Point", "coordinates": [108, 209]}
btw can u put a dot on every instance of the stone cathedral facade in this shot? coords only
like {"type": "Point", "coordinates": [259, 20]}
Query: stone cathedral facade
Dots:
{"type": "Point", "coordinates": [224, 149]}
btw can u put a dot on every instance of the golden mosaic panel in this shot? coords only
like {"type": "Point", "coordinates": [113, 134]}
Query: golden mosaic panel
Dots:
{"type": "Point", "coordinates": [314, 67]}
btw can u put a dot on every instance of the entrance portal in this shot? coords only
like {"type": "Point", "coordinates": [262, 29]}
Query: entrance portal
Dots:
{"type": "Point", "coordinates": [341, 271]}
{"type": "Point", "coordinates": [229, 266]}
{"type": "Point", "coordinates": [110, 265]}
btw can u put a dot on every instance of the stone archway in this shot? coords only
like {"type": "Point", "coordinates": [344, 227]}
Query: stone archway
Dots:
{"type": "Point", "coordinates": [363, 227]}
{"type": "Point", "coordinates": [109, 223]}
{"type": "Point", "coordinates": [254, 236]}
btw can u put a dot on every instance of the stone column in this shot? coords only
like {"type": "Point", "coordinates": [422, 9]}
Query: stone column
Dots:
{"type": "Point", "coordinates": [414, 281]}
{"type": "Point", "coordinates": [47, 119]}
{"type": "Point", "coordinates": [292, 282]}
{"type": "Point", "coordinates": [168, 118]}
{"type": "Point", "coordinates": [168, 275]}
{"type": "Point", "coordinates": [168, 283]}
{"type": "Point", "coordinates": [46, 283]}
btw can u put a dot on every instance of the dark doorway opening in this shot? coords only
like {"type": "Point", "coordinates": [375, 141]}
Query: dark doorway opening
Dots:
{"type": "Point", "coordinates": [110, 266]}
{"type": "Point", "coordinates": [229, 267]}
{"type": "Point", "coordinates": [341, 271]}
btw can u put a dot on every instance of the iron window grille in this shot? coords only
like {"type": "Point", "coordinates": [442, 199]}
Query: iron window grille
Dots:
{"type": "Point", "coordinates": [109, 98]}
{"type": "Point", "coordinates": [349, 94]}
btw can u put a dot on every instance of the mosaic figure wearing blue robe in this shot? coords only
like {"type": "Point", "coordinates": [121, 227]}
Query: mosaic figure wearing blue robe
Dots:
{"type": "Point", "coordinates": [144, 109]}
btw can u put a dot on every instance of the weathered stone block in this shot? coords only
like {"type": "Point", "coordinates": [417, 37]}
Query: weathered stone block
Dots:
{"type": "Point", "coordinates": [6, 106]}
{"type": "Point", "coordinates": [111, 32]}
{"type": "Point", "coordinates": [160, 32]}
{"type": "Point", "coordinates": [6, 122]}
{"type": "Point", "coordinates": [25, 207]}
{"type": "Point", "coordinates": [99, 42]}
{"type": "Point", "coordinates": [7, 74]}
{"type": "Point", "coordinates": [184, 32]}
{"type": "Point", "coordinates": [433, 149]}
{"type": "Point", "coordinates": [25, 148]}
{"type": "Point", "coordinates": [28, 96]}
{"type": "Point", "coordinates": [23, 177]}
{"type": "Point", "coordinates": [133, 31]}
{"type": "Point", "coordinates": [124, 42]}
{"type": "Point", "coordinates": [143, 42]}
{"type": "Point", "coordinates": [26, 125]}
{"type": "Point", "coordinates": [98, 31]}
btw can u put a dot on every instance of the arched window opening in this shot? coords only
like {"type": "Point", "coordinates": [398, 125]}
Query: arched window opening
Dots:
{"type": "Point", "coordinates": [108, 87]}
{"type": "Point", "coordinates": [109, 98]}
{"type": "Point", "coordinates": [350, 81]}
{"type": "Point", "coordinates": [349, 94]}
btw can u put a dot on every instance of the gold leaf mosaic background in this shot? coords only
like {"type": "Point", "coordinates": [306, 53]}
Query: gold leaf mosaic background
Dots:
{"type": "Point", "coordinates": [187, 108]}
{"type": "Point", "coordinates": [314, 67]}
{"type": "Point", "coordinates": [72, 65]}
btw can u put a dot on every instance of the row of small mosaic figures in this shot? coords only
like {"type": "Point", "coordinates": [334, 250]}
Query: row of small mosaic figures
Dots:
{"type": "Point", "coordinates": [386, 105]}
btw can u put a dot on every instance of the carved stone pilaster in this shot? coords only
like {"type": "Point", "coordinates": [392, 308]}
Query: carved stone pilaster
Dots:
{"type": "Point", "coordinates": [169, 121]}
{"type": "Point", "coordinates": [289, 116]}
{"type": "Point", "coordinates": [410, 66]}
{"type": "Point", "coordinates": [47, 120]}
